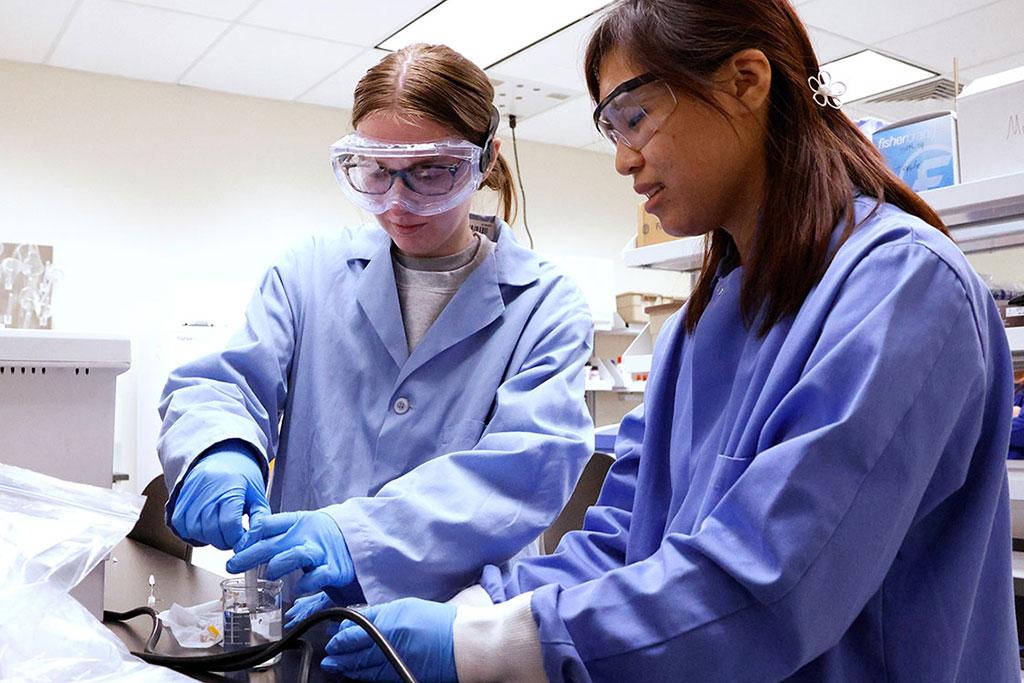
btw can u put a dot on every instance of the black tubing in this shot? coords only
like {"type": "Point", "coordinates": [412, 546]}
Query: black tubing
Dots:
{"type": "Point", "coordinates": [257, 654]}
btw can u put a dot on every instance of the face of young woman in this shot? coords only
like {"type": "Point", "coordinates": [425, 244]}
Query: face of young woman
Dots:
{"type": "Point", "coordinates": [423, 236]}
{"type": "Point", "coordinates": [699, 171]}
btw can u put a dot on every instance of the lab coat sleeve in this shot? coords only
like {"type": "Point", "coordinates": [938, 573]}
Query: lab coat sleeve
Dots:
{"type": "Point", "coordinates": [428, 533]}
{"type": "Point", "coordinates": [804, 533]}
{"type": "Point", "coordinates": [600, 546]}
{"type": "Point", "coordinates": [236, 393]}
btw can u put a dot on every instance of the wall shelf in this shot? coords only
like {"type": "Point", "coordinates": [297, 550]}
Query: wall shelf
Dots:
{"type": "Point", "coordinates": [984, 214]}
{"type": "Point", "coordinates": [683, 255]}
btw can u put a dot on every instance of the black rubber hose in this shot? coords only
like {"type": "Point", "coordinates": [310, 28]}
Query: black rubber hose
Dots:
{"type": "Point", "coordinates": [251, 656]}
{"type": "Point", "coordinates": [154, 635]}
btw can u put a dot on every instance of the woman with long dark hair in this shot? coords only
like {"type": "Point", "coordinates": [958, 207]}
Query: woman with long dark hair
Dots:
{"type": "Point", "coordinates": [815, 487]}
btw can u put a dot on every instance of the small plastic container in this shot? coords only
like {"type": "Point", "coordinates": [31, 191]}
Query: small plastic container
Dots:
{"type": "Point", "coordinates": [251, 617]}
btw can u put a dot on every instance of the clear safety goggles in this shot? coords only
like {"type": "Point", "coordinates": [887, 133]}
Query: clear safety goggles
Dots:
{"type": "Point", "coordinates": [632, 112]}
{"type": "Point", "coordinates": [435, 176]}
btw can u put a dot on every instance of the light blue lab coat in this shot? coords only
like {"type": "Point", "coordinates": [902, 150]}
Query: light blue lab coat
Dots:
{"type": "Point", "coordinates": [433, 464]}
{"type": "Point", "coordinates": [826, 503]}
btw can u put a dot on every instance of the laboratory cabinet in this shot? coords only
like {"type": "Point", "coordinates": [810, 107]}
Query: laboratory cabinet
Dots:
{"type": "Point", "coordinates": [57, 393]}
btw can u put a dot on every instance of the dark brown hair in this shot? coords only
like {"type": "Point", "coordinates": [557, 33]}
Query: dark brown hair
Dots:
{"type": "Point", "coordinates": [815, 156]}
{"type": "Point", "coordinates": [437, 83]}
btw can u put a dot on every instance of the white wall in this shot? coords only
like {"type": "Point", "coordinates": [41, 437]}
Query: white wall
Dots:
{"type": "Point", "coordinates": [166, 203]}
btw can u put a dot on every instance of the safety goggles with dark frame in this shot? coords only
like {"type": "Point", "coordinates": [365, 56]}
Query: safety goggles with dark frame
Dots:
{"type": "Point", "coordinates": [622, 115]}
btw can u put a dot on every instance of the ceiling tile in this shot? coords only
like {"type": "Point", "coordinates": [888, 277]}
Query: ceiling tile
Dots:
{"type": "Point", "coordinates": [131, 40]}
{"type": "Point", "coordinates": [218, 9]}
{"type": "Point", "coordinates": [829, 47]}
{"type": "Point", "coordinates": [337, 90]}
{"type": "Point", "coordinates": [29, 27]}
{"type": "Point", "coordinates": [557, 60]}
{"type": "Point", "coordinates": [263, 63]}
{"type": "Point", "coordinates": [872, 21]}
{"type": "Point", "coordinates": [973, 37]}
{"type": "Point", "coordinates": [357, 23]}
{"type": "Point", "coordinates": [993, 67]}
{"type": "Point", "coordinates": [569, 124]}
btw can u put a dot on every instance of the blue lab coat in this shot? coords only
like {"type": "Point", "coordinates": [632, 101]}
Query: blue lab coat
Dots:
{"type": "Point", "coordinates": [433, 464]}
{"type": "Point", "coordinates": [826, 503]}
{"type": "Point", "coordinates": [1017, 428]}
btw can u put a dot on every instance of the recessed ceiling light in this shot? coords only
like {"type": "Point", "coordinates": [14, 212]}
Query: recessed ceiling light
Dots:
{"type": "Point", "coordinates": [488, 32]}
{"type": "Point", "coordinates": [868, 73]}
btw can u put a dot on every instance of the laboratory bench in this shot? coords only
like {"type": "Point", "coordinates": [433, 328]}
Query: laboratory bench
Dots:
{"type": "Point", "coordinates": [126, 587]}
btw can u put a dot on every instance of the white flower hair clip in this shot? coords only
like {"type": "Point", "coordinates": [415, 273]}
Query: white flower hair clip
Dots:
{"type": "Point", "coordinates": [826, 93]}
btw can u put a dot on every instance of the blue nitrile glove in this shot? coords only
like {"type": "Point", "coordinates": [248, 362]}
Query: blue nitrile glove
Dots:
{"type": "Point", "coordinates": [421, 632]}
{"type": "Point", "coordinates": [220, 487]}
{"type": "Point", "coordinates": [306, 540]}
{"type": "Point", "coordinates": [307, 607]}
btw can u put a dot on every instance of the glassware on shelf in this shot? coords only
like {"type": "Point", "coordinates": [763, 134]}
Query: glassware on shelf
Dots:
{"type": "Point", "coordinates": [26, 299]}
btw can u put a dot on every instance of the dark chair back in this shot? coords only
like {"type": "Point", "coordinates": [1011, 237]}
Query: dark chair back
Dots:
{"type": "Point", "coordinates": [151, 529]}
{"type": "Point", "coordinates": [583, 496]}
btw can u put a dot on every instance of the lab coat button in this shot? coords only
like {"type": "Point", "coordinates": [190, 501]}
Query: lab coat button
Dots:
{"type": "Point", "coordinates": [401, 405]}
{"type": "Point", "coordinates": [721, 291]}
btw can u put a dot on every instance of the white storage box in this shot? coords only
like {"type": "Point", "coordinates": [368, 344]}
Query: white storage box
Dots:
{"type": "Point", "coordinates": [991, 114]}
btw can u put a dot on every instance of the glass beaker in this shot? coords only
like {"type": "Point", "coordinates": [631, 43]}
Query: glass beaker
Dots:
{"type": "Point", "coordinates": [248, 624]}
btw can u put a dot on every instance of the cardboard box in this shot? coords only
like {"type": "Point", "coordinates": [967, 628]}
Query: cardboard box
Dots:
{"type": "Point", "coordinates": [660, 313]}
{"type": "Point", "coordinates": [648, 229]}
{"type": "Point", "coordinates": [922, 151]}
{"type": "Point", "coordinates": [631, 305]}
{"type": "Point", "coordinates": [1013, 316]}
{"type": "Point", "coordinates": [991, 113]}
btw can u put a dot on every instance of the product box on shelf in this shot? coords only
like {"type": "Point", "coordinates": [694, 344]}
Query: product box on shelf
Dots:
{"type": "Point", "coordinates": [648, 229]}
{"type": "Point", "coordinates": [635, 307]}
{"type": "Point", "coordinates": [660, 313]}
{"type": "Point", "coordinates": [1013, 316]}
{"type": "Point", "coordinates": [922, 151]}
{"type": "Point", "coordinates": [630, 306]}
{"type": "Point", "coordinates": [991, 114]}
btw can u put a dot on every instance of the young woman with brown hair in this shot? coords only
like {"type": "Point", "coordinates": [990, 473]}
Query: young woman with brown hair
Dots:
{"type": "Point", "coordinates": [426, 372]}
{"type": "Point", "coordinates": [815, 487]}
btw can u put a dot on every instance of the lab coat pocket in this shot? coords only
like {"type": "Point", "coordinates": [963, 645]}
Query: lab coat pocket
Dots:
{"type": "Point", "coordinates": [461, 435]}
{"type": "Point", "coordinates": [724, 474]}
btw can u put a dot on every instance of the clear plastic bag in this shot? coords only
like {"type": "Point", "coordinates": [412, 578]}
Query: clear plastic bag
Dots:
{"type": "Point", "coordinates": [53, 533]}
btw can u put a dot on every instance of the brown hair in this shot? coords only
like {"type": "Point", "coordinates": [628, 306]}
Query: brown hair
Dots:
{"type": "Point", "coordinates": [437, 83]}
{"type": "Point", "coordinates": [815, 156]}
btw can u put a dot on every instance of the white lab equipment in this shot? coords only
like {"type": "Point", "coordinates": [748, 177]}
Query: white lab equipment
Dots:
{"type": "Point", "coordinates": [57, 412]}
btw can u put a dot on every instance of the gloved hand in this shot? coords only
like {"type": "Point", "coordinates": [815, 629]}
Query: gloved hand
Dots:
{"type": "Point", "coordinates": [307, 607]}
{"type": "Point", "coordinates": [421, 632]}
{"type": "Point", "coordinates": [224, 484]}
{"type": "Point", "coordinates": [306, 540]}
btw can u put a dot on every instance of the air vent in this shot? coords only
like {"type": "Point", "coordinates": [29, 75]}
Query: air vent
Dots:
{"type": "Point", "coordinates": [934, 89]}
